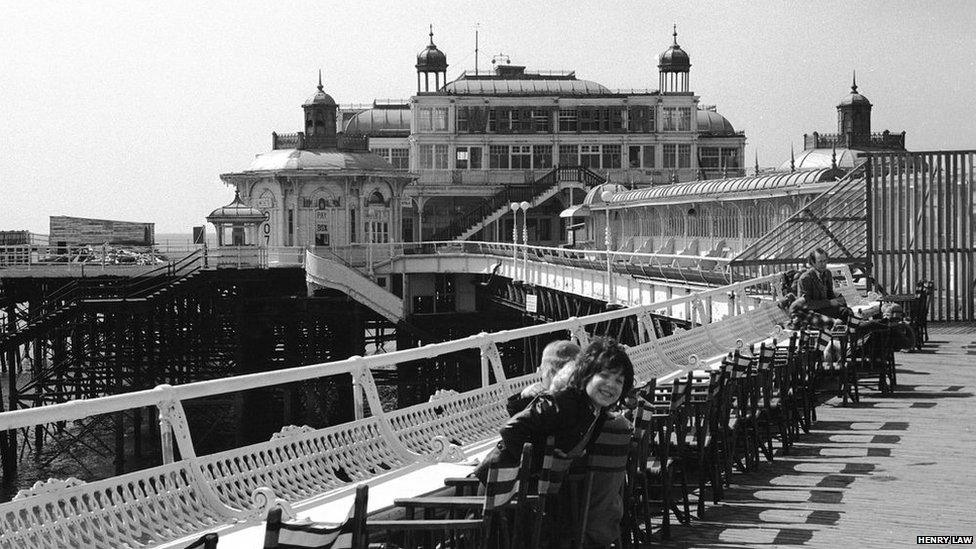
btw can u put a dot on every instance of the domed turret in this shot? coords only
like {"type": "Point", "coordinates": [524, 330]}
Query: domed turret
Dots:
{"type": "Point", "coordinates": [674, 66]}
{"type": "Point", "coordinates": [320, 119]}
{"type": "Point", "coordinates": [431, 61]}
{"type": "Point", "coordinates": [854, 117]}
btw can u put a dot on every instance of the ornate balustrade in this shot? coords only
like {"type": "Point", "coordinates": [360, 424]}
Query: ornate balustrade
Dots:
{"type": "Point", "coordinates": [881, 140]}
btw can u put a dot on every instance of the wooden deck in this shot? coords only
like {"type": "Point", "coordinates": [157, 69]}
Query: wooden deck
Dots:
{"type": "Point", "coordinates": [874, 475]}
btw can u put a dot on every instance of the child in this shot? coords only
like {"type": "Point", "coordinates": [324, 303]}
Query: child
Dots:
{"type": "Point", "coordinates": [554, 357]}
{"type": "Point", "coordinates": [574, 415]}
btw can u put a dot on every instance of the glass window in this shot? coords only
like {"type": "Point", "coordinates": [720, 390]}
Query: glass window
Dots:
{"type": "Point", "coordinates": [426, 157]}
{"type": "Point", "coordinates": [503, 119]}
{"type": "Point", "coordinates": [611, 156]}
{"type": "Point", "coordinates": [587, 119]}
{"type": "Point", "coordinates": [522, 121]}
{"type": "Point", "coordinates": [568, 155]}
{"type": "Point", "coordinates": [542, 122]}
{"type": "Point", "coordinates": [521, 157]}
{"type": "Point", "coordinates": [648, 158]}
{"type": "Point", "coordinates": [634, 156]}
{"type": "Point", "coordinates": [498, 157]}
{"type": "Point", "coordinates": [684, 156]}
{"type": "Point", "coordinates": [440, 157]}
{"type": "Point", "coordinates": [468, 158]}
{"type": "Point", "coordinates": [385, 153]}
{"type": "Point", "coordinates": [379, 232]}
{"type": "Point", "coordinates": [568, 120]}
{"type": "Point", "coordinates": [708, 158]}
{"type": "Point", "coordinates": [542, 157]}
{"type": "Point", "coordinates": [472, 119]}
{"type": "Point", "coordinates": [616, 119]}
{"type": "Point", "coordinates": [684, 119]}
{"type": "Point", "coordinates": [425, 119]}
{"type": "Point", "coordinates": [589, 156]}
{"type": "Point", "coordinates": [400, 158]}
{"type": "Point", "coordinates": [640, 119]}
{"type": "Point", "coordinates": [670, 154]}
{"type": "Point", "coordinates": [670, 119]}
{"type": "Point", "coordinates": [731, 158]}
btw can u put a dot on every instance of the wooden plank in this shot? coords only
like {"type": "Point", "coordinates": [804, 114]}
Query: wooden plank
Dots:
{"type": "Point", "coordinates": [874, 475]}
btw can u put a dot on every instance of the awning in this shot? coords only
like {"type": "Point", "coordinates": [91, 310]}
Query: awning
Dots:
{"type": "Point", "coordinates": [575, 211]}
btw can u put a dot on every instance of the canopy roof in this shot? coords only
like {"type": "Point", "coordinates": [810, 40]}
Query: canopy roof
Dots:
{"type": "Point", "coordinates": [379, 122]}
{"type": "Point", "coordinates": [717, 189]}
{"type": "Point", "coordinates": [236, 211]}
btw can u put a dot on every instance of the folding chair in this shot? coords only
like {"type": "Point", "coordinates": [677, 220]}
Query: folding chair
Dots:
{"type": "Point", "coordinates": [206, 541]}
{"type": "Point", "coordinates": [350, 534]}
{"type": "Point", "coordinates": [502, 512]}
{"type": "Point", "coordinates": [655, 468]}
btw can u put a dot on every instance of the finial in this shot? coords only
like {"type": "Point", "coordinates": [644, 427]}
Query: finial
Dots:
{"type": "Point", "coordinates": [757, 161]}
{"type": "Point", "coordinates": [431, 34]}
{"type": "Point", "coordinates": [675, 34]}
{"type": "Point", "coordinates": [854, 82]}
{"type": "Point", "coordinates": [608, 177]}
{"type": "Point", "coordinates": [792, 160]}
{"type": "Point", "coordinates": [833, 156]}
{"type": "Point", "coordinates": [320, 79]}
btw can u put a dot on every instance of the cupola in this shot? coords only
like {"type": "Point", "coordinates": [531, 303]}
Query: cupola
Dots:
{"type": "Point", "coordinates": [674, 66]}
{"type": "Point", "coordinates": [320, 119]}
{"type": "Point", "coordinates": [431, 61]}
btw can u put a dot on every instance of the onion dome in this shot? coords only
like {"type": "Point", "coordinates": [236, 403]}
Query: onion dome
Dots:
{"type": "Point", "coordinates": [674, 59]}
{"type": "Point", "coordinates": [320, 97]}
{"type": "Point", "coordinates": [854, 98]}
{"type": "Point", "coordinates": [431, 59]}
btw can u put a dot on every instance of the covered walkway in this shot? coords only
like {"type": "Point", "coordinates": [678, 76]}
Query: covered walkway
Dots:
{"type": "Point", "coordinates": [873, 475]}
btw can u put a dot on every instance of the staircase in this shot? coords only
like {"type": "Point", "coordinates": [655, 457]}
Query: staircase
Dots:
{"type": "Point", "coordinates": [333, 273]}
{"type": "Point", "coordinates": [469, 223]}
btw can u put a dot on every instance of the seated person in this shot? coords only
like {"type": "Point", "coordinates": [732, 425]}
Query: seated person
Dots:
{"type": "Point", "coordinates": [555, 355]}
{"type": "Point", "coordinates": [815, 287]}
{"type": "Point", "coordinates": [573, 415]}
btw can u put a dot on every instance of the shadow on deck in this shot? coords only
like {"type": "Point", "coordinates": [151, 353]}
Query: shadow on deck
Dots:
{"type": "Point", "coordinates": [877, 474]}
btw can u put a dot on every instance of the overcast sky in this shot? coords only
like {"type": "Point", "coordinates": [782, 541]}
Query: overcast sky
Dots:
{"type": "Point", "coordinates": [130, 110]}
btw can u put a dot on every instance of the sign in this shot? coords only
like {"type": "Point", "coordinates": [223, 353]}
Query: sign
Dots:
{"type": "Point", "coordinates": [531, 303]}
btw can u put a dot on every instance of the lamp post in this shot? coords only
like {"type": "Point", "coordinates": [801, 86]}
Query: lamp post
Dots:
{"type": "Point", "coordinates": [607, 241]}
{"type": "Point", "coordinates": [525, 239]}
{"type": "Point", "coordinates": [515, 208]}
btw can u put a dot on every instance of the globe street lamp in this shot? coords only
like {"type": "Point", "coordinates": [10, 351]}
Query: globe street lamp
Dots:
{"type": "Point", "coordinates": [525, 239]}
{"type": "Point", "coordinates": [515, 207]}
{"type": "Point", "coordinates": [607, 241]}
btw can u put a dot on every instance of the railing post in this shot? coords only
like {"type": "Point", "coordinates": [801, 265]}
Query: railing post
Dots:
{"type": "Point", "coordinates": [357, 393]}
{"type": "Point", "coordinates": [485, 362]}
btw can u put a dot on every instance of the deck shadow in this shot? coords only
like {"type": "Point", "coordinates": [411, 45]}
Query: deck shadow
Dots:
{"type": "Point", "coordinates": [783, 503]}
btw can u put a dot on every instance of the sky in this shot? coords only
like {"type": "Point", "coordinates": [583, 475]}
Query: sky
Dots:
{"type": "Point", "coordinates": [130, 110]}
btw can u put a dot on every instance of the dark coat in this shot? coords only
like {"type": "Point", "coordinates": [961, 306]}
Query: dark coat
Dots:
{"type": "Point", "coordinates": [567, 415]}
{"type": "Point", "coordinates": [817, 289]}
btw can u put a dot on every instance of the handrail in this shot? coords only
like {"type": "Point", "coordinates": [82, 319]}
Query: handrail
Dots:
{"type": "Point", "coordinates": [78, 409]}
{"type": "Point", "coordinates": [517, 193]}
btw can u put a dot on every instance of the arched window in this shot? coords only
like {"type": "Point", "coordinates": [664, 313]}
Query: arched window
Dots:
{"type": "Point", "coordinates": [376, 199]}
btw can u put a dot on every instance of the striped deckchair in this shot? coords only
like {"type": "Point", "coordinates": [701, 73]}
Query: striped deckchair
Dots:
{"type": "Point", "coordinates": [350, 534]}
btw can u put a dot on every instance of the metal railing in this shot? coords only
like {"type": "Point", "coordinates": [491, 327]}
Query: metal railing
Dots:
{"type": "Point", "coordinates": [757, 290]}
